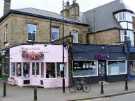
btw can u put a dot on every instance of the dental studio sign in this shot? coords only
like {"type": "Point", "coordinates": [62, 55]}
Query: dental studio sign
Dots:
{"type": "Point", "coordinates": [32, 54]}
{"type": "Point", "coordinates": [101, 56]}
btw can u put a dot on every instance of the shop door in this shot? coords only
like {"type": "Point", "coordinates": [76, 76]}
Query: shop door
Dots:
{"type": "Point", "coordinates": [35, 69]}
{"type": "Point", "coordinates": [35, 77]}
{"type": "Point", "coordinates": [102, 69]}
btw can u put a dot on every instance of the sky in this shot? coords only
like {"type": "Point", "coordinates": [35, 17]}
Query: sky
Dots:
{"type": "Point", "coordinates": [56, 5]}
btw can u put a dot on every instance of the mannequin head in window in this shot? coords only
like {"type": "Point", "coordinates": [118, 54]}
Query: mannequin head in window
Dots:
{"type": "Point", "coordinates": [18, 69]}
{"type": "Point", "coordinates": [26, 69]}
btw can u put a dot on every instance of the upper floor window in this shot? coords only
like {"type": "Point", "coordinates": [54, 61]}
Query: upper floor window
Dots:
{"type": "Point", "coordinates": [75, 36]}
{"type": "Point", "coordinates": [127, 34]}
{"type": "Point", "coordinates": [55, 31]}
{"type": "Point", "coordinates": [5, 32]}
{"type": "Point", "coordinates": [31, 30]}
{"type": "Point", "coordinates": [124, 16]}
{"type": "Point", "coordinates": [126, 25]}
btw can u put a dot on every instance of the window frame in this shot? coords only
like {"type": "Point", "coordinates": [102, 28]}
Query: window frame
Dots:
{"type": "Point", "coordinates": [82, 68]}
{"type": "Point", "coordinates": [27, 30]}
{"type": "Point", "coordinates": [76, 34]}
{"type": "Point", "coordinates": [55, 27]}
{"type": "Point", "coordinates": [5, 32]}
{"type": "Point", "coordinates": [125, 62]}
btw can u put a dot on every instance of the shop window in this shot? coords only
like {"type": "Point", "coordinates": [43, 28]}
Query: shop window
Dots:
{"type": "Point", "coordinates": [31, 30]}
{"type": "Point", "coordinates": [13, 69]}
{"type": "Point", "coordinates": [55, 31]}
{"type": "Point", "coordinates": [131, 65]}
{"type": "Point", "coordinates": [117, 67]}
{"type": "Point", "coordinates": [42, 69]}
{"type": "Point", "coordinates": [50, 70]}
{"type": "Point", "coordinates": [26, 69]}
{"type": "Point", "coordinates": [18, 69]}
{"type": "Point", "coordinates": [85, 68]}
{"type": "Point", "coordinates": [60, 70]}
{"type": "Point", "coordinates": [35, 68]}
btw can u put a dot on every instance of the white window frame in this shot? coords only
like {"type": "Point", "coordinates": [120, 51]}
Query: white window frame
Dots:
{"type": "Point", "coordinates": [119, 73]}
{"type": "Point", "coordinates": [89, 75]}
{"type": "Point", "coordinates": [35, 32]}
{"type": "Point", "coordinates": [56, 30]}
{"type": "Point", "coordinates": [75, 35]}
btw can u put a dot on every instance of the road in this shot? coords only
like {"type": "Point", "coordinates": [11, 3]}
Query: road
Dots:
{"type": "Point", "coordinates": [126, 97]}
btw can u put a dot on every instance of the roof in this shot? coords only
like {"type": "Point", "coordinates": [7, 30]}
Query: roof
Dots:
{"type": "Point", "coordinates": [85, 52]}
{"type": "Point", "coordinates": [42, 14]}
{"type": "Point", "coordinates": [101, 18]}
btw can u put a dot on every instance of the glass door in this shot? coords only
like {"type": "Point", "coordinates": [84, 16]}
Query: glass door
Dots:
{"type": "Point", "coordinates": [35, 73]}
{"type": "Point", "coordinates": [102, 69]}
{"type": "Point", "coordinates": [35, 69]}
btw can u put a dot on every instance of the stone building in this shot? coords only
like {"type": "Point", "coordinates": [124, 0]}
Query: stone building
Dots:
{"type": "Point", "coordinates": [30, 24]}
{"type": "Point", "coordinates": [110, 23]}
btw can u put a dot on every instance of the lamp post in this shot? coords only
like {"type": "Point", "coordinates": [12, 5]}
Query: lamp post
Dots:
{"type": "Point", "coordinates": [126, 46]}
{"type": "Point", "coordinates": [63, 75]}
{"type": "Point", "coordinates": [102, 82]}
{"type": "Point", "coordinates": [3, 72]}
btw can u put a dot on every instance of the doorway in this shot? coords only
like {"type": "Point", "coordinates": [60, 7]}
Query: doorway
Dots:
{"type": "Point", "coordinates": [102, 69]}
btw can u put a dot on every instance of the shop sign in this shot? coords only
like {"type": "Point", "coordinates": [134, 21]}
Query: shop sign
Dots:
{"type": "Point", "coordinates": [32, 55]}
{"type": "Point", "coordinates": [101, 56]}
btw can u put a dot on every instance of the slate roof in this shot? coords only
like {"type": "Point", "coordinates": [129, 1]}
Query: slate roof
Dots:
{"type": "Point", "coordinates": [42, 14]}
{"type": "Point", "coordinates": [101, 18]}
{"type": "Point", "coordinates": [85, 52]}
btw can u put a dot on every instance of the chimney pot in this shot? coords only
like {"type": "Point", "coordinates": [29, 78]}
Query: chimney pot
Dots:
{"type": "Point", "coordinates": [7, 4]}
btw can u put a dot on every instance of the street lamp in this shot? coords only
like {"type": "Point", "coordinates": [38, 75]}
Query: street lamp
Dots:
{"type": "Point", "coordinates": [63, 74]}
{"type": "Point", "coordinates": [126, 46]}
{"type": "Point", "coordinates": [3, 61]}
{"type": "Point", "coordinates": [3, 53]}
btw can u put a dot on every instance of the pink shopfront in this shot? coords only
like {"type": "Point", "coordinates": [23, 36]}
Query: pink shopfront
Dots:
{"type": "Point", "coordinates": [38, 64]}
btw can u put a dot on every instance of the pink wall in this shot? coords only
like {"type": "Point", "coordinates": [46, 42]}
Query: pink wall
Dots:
{"type": "Point", "coordinates": [52, 53]}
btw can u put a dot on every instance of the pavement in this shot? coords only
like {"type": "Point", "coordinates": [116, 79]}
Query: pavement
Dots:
{"type": "Point", "coordinates": [15, 93]}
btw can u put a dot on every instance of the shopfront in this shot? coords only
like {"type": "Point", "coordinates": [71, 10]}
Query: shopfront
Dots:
{"type": "Point", "coordinates": [131, 65]}
{"type": "Point", "coordinates": [38, 65]}
{"type": "Point", "coordinates": [99, 62]}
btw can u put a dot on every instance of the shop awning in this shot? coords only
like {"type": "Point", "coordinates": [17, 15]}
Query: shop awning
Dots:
{"type": "Point", "coordinates": [86, 52]}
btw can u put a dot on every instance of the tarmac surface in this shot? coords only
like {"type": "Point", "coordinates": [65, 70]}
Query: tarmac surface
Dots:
{"type": "Point", "coordinates": [115, 89]}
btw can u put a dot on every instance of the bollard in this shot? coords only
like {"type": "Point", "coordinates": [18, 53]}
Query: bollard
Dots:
{"type": "Point", "coordinates": [126, 85]}
{"type": "Point", "coordinates": [4, 89]}
{"type": "Point", "coordinates": [35, 93]}
{"type": "Point", "coordinates": [102, 88]}
{"type": "Point", "coordinates": [63, 84]}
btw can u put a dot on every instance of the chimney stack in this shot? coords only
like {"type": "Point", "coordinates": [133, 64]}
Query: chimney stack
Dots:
{"type": "Point", "coordinates": [71, 11]}
{"type": "Point", "coordinates": [7, 4]}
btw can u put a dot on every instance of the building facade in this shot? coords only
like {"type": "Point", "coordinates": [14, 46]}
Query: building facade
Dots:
{"type": "Point", "coordinates": [38, 65]}
{"type": "Point", "coordinates": [22, 25]}
{"type": "Point", "coordinates": [99, 62]}
{"type": "Point", "coordinates": [110, 23]}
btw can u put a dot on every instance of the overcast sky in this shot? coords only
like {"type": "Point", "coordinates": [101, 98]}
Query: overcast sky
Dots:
{"type": "Point", "coordinates": [56, 5]}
